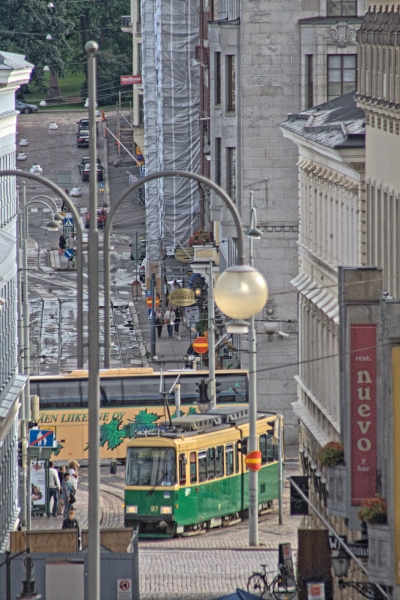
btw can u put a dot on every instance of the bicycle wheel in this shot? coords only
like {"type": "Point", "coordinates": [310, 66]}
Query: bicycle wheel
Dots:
{"type": "Point", "coordinates": [256, 585]}
{"type": "Point", "coordinates": [284, 587]}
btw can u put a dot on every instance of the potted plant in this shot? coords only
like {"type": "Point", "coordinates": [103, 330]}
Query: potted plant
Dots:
{"type": "Point", "coordinates": [373, 510]}
{"type": "Point", "coordinates": [331, 454]}
{"type": "Point", "coordinates": [200, 238]}
{"type": "Point", "coordinates": [331, 457]}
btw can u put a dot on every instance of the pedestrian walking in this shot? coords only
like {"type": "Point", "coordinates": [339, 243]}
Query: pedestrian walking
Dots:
{"type": "Point", "coordinates": [54, 489]}
{"type": "Point", "coordinates": [61, 242]}
{"type": "Point", "coordinates": [70, 522]}
{"type": "Point", "coordinates": [169, 319]}
{"type": "Point", "coordinates": [73, 479]}
{"type": "Point", "coordinates": [159, 321]}
{"type": "Point", "coordinates": [61, 473]}
{"type": "Point", "coordinates": [65, 494]}
{"type": "Point", "coordinates": [178, 317]}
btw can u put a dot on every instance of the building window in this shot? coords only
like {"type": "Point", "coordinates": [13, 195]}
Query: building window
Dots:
{"type": "Point", "coordinates": [141, 109]}
{"type": "Point", "coordinates": [231, 172]}
{"type": "Point", "coordinates": [231, 82]}
{"type": "Point", "coordinates": [218, 161]}
{"type": "Point", "coordinates": [310, 80]}
{"type": "Point", "coordinates": [217, 66]}
{"type": "Point", "coordinates": [342, 71]}
{"type": "Point", "coordinates": [342, 8]}
{"type": "Point", "coordinates": [139, 59]}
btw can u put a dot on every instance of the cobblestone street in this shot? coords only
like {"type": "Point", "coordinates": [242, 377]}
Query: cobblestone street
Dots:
{"type": "Point", "coordinates": [200, 567]}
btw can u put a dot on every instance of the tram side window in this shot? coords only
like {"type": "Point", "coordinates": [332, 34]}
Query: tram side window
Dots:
{"type": "Point", "coordinates": [182, 469]}
{"type": "Point", "coordinates": [211, 463]}
{"type": "Point", "coordinates": [272, 450]}
{"type": "Point", "coordinates": [219, 461]}
{"type": "Point", "coordinates": [263, 449]}
{"type": "Point", "coordinates": [230, 467]}
{"type": "Point", "coordinates": [237, 457]}
{"type": "Point", "coordinates": [202, 465]}
{"type": "Point", "coordinates": [193, 468]}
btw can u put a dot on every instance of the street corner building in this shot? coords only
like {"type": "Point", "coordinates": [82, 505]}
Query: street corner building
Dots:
{"type": "Point", "coordinates": [14, 72]}
{"type": "Point", "coordinates": [348, 292]}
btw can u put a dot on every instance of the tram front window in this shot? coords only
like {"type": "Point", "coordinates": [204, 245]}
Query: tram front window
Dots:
{"type": "Point", "coordinates": [151, 466]}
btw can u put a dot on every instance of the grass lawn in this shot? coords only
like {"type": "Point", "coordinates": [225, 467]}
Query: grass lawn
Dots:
{"type": "Point", "coordinates": [70, 85]}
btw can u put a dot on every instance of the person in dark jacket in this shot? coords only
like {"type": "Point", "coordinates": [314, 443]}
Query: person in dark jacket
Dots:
{"type": "Point", "coordinates": [61, 242]}
{"type": "Point", "coordinates": [71, 523]}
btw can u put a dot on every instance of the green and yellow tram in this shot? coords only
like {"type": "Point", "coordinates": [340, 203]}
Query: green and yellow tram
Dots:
{"type": "Point", "coordinates": [184, 479]}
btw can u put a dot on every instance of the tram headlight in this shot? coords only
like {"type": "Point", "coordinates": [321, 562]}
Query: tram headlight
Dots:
{"type": "Point", "coordinates": [166, 510]}
{"type": "Point", "coordinates": [131, 510]}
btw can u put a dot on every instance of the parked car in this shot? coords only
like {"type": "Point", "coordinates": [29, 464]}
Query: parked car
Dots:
{"type": "Point", "coordinates": [83, 139]}
{"type": "Point", "coordinates": [84, 169]}
{"type": "Point", "coordinates": [84, 124]}
{"type": "Point", "coordinates": [36, 169]}
{"type": "Point", "coordinates": [101, 218]}
{"type": "Point", "coordinates": [24, 107]}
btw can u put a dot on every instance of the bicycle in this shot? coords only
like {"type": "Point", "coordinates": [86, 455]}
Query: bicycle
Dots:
{"type": "Point", "coordinates": [139, 199]}
{"type": "Point", "coordinates": [283, 587]}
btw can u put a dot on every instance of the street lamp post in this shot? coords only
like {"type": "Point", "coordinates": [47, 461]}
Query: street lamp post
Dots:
{"type": "Point", "coordinates": [79, 258]}
{"type": "Point", "coordinates": [23, 337]}
{"type": "Point", "coordinates": [240, 292]}
{"type": "Point", "coordinates": [93, 357]}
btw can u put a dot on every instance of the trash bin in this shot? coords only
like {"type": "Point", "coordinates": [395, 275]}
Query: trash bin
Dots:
{"type": "Point", "coordinates": [113, 467]}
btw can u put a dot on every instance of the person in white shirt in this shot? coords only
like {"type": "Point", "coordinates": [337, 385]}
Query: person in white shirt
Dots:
{"type": "Point", "coordinates": [54, 489]}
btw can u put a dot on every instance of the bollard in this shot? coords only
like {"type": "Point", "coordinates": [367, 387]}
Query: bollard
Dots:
{"type": "Point", "coordinates": [113, 467]}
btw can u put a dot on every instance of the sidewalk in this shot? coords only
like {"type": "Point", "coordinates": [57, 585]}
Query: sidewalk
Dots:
{"type": "Point", "coordinates": [172, 350]}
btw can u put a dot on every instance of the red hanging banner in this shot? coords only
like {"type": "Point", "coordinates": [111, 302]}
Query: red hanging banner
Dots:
{"type": "Point", "coordinates": [363, 412]}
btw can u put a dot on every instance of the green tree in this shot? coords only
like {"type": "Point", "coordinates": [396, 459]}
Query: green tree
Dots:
{"type": "Point", "coordinates": [24, 27]}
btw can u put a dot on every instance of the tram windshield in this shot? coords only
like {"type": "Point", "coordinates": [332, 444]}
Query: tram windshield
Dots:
{"type": "Point", "coordinates": [151, 466]}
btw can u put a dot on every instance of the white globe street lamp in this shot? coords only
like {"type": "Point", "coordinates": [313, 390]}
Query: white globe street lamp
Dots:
{"type": "Point", "coordinates": [241, 292]}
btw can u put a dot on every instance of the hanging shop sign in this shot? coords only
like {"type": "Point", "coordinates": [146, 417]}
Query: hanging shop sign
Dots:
{"type": "Point", "coordinates": [130, 79]}
{"type": "Point", "coordinates": [182, 297]}
{"type": "Point", "coordinates": [363, 412]}
{"type": "Point", "coordinates": [184, 255]}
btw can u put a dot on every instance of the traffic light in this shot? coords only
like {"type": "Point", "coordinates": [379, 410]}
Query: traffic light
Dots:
{"type": "Point", "coordinates": [242, 446]}
{"type": "Point", "coordinates": [202, 390]}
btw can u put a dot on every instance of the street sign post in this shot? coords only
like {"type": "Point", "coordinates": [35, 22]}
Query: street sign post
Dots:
{"type": "Point", "coordinates": [253, 460]}
{"type": "Point", "coordinates": [38, 437]}
{"type": "Point", "coordinates": [200, 345]}
{"type": "Point", "coordinates": [149, 302]}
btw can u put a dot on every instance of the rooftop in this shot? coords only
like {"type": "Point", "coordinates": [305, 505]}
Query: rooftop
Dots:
{"type": "Point", "coordinates": [338, 123]}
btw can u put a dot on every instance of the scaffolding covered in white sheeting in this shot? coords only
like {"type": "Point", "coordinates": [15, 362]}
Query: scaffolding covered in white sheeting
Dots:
{"type": "Point", "coordinates": [170, 32]}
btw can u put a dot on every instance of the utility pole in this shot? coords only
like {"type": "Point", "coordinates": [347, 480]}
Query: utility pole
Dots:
{"type": "Point", "coordinates": [93, 362]}
{"type": "Point", "coordinates": [153, 315]}
{"type": "Point", "coordinates": [253, 439]}
{"type": "Point", "coordinates": [211, 339]}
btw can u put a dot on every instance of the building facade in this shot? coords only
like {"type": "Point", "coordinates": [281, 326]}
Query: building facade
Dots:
{"type": "Point", "coordinates": [14, 72]}
{"type": "Point", "coordinates": [266, 62]}
{"type": "Point", "coordinates": [132, 24]}
{"type": "Point", "coordinates": [331, 143]}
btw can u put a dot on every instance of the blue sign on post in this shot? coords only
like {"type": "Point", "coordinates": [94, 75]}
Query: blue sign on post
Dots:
{"type": "Point", "coordinates": [68, 222]}
{"type": "Point", "coordinates": [101, 186]}
{"type": "Point", "coordinates": [142, 170]}
{"type": "Point", "coordinates": [148, 293]}
{"type": "Point", "coordinates": [69, 253]}
{"type": "Point", "coordinates": [40, 438]}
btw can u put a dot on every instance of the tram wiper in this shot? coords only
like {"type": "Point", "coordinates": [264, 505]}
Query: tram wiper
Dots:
{"type": "Point", "coordinates": [158, 482]}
